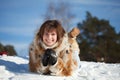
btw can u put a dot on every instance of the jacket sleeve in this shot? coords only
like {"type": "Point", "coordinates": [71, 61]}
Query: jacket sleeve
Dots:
{"type": "Point", "coordinates": [35, 63]}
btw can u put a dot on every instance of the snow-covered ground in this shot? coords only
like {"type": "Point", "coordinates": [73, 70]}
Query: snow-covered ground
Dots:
{"type": "Point", "coordinates": [16, 68]}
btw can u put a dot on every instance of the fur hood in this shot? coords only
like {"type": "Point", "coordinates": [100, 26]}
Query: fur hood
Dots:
{"type": "Point", "coordinates": [58, 46]}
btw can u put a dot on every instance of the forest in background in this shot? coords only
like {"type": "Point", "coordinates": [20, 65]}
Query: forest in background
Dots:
{"type": "Point", "coordinates": [7, 49]}
{"type": "Point", "coordinates": [98, 40]}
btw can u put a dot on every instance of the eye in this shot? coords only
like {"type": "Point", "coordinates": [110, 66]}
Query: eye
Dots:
{"type": "Point", "coordinates": [46, 33]}
{"type": "Point", "coordinates": [53, 34]}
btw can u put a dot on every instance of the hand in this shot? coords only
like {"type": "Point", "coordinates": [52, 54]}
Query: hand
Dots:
{"type": "Point", "coordinates": [49, 57]}
{"type": "Point", "coordinates": [52, 57]}
{"type": "Point", "coordinates": [45, 59]}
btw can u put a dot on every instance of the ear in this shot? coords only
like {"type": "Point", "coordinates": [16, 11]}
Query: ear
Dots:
{"type": "Point", "coordinates": [74, 32]}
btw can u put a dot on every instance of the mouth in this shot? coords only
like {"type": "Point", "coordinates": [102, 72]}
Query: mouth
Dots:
{"type": "Point", "coordinates": [49, 41]}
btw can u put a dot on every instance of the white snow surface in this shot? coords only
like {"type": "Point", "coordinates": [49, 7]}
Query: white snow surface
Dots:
{"type": "Point", "coordinates": [16, 68]}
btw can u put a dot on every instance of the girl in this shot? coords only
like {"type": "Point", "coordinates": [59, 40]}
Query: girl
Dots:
{"type": "Point", "coordinates": [52, 36]}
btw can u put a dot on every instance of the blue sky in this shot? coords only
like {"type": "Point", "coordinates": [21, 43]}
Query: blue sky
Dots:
{"type": "Point", "coordinates": [19, 19]}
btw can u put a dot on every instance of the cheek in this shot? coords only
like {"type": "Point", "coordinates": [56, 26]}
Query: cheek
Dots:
{"type": "Point", "coordinates": [44, 37]}
{"type": "Point", "coordinates": [55, 38]}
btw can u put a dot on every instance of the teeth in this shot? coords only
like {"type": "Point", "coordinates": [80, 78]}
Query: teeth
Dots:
{"type": "Point", "coordinates": [48, 41]}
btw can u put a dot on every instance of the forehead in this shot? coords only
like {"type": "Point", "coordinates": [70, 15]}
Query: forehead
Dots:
{"type": "Point", "coordinates": [50, 30]}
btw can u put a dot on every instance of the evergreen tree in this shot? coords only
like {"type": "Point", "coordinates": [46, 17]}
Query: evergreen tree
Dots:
{"type": "Point", "coordinates": [98, 39]}
{"type": "Point", "coordinates": [10, 49]}
{"type": "Point", "coordinates": [1, 47]}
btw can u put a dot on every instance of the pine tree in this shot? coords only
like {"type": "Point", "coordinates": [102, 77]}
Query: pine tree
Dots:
{"type": "Point", "coordinates": [98, 39]}
{"type": "Point", "coordinates": [9, 49]}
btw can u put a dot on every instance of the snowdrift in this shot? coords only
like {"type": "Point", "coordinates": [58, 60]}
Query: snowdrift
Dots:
{"type": "Point", "coordinates": [16, 68]}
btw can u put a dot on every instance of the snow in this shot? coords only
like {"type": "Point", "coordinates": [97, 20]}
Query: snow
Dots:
{"type": "Point", "coordinates": [16, 68]}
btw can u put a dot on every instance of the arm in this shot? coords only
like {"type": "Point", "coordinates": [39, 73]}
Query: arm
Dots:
{"type": "Point", "coordinates": [35, 61]}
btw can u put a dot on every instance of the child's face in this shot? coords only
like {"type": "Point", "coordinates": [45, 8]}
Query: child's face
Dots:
{"type": "Point", "coordinates": [50, 38]}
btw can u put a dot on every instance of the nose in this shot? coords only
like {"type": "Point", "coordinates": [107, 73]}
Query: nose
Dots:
{"type": "Point", "coordinates": [49, 36]}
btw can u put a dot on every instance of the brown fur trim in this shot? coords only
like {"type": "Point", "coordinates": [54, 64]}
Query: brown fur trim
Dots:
{"type": "Point", "coordinates": [74, 32]}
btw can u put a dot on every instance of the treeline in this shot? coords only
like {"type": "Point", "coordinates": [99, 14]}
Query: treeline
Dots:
{"type": "Point", "coordinates": [7, 49]}
{"type": "Point", "coordinates": [98, 40]}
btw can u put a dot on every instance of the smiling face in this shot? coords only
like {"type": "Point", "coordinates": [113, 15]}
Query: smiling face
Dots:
{"type": "Point", "coordinates": [50, 37]}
